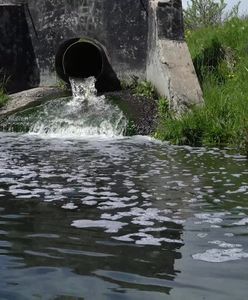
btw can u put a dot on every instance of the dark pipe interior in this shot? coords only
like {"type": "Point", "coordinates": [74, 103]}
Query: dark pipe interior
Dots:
{"type": "Point", "coordinates": [82, 59]}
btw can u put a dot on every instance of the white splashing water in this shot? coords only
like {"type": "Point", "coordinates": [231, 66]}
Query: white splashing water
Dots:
{"type": "Point", "coordinates": [85, 115]}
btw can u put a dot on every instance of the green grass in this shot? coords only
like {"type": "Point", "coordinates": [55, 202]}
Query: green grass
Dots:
{"type": "Point", "coordinates": [220, 56]}
{"type": "Point", "coordinates": [3, 97]}
{"type": "Point", "coordinates": [140, 88]}
{"type": "Point", "coordinates": [3, 82]}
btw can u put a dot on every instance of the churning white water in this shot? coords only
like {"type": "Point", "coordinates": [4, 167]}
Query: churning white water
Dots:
{"type": "Point", "coordinates": [85, 114]}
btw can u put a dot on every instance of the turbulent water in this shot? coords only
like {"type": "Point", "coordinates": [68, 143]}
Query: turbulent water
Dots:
{"type": "Point", "coordinates": [85, 114]}
{"type": "Point", "coordinates": [88, 214]}
{"type": "Point", "coordinates": [123, 218]}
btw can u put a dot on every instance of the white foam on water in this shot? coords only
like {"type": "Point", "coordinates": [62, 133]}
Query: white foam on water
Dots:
{"type": "Point", "coordinates": [70, 206]}
{"type": "Point", "coordinates": [124, 238]}
{"type": "Point", "coordinates": [18, 191]}
{"type": "Point", "coordinates": [109, 205]}
{"type": "Point", "coordinates": [144, 217]}
{"type": "Point", "coordinates": [241, 189]}
{"type": "Point", "coordinates": [211, 218]}
{"type": "Point", "coordinates": [110, 226]}
{"type": "Point", "coordinates": [229, 234]}
{"type": "Point", "coordinates": [239, 207]}
{"type": "Point", "coordinates": [236, 175]}
{"type": "Point", "coordinates": [133, 191]}
{"type": "Point", "coordinates": [142, 238]}
{"type": "Point", "coordinates": [202, 235]}
{"type": "Point", "coordinates": [221, 255]}
{"type": "Point", "coordinates": [110, 217]}
{"type": "Point", "coordinates": [242, 222]}
{"type": "Point", "coordinates": [150, 240]}
{"type": "Point", "coordinates": [154, 229]}
{"type": "Point", "coordinates": [89, 198]}
{"type": "Point", "coordinates": [89, 202]}
{"type": "Point", "coordinates": [146, 195]}
{"type": "Point", "coordinates": [217, 201]}
{"type": "Point", "coordinates": [85, 115]}
{"type": "Point", "coordinates": [223, 244]}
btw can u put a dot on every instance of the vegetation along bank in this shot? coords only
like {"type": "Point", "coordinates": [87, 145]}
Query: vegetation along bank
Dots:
{"type": "Point", "coordinates": [220, 56]}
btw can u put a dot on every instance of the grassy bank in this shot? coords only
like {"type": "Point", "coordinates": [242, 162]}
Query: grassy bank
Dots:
{"type": "Point", "coordinates": [220, 56]}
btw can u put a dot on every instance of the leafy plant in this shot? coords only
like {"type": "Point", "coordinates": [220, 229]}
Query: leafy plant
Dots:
{"type": "Point", "coordinates": [163, 107]}
{"type": "Point", "coordinates": [145, 89]}
{"type": "Point", "coordinates": [204, 13]}
{"type": "Point", "coordinates": [140, 87]}
{"type": "Point", "coordinates": [62, 85]}
{"type": "Point", "coordinates": [131, 128]}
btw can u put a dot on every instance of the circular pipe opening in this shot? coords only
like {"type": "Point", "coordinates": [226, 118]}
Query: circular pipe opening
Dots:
{"type": "Point", "coordinates": [80, 59]}
{"type": "Point", "coordinates": [85, 57]}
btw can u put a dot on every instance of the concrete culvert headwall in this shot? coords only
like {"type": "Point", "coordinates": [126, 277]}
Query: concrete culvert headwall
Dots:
{"type": "Point", "coordinates": [134, 38]}
{"type": "Point", "coordinates": [82, 58]}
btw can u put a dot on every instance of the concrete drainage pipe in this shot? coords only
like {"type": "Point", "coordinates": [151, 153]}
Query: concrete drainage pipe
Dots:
{"type": "Point", "coordinates": [82, 58]}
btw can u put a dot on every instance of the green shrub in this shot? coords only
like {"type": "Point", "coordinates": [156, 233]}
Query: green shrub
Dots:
{"type": "Point", "coordinates": [188, 130]}
{"type": "Point", "coordinates": [205, 13]}
{"type": "Point", "coordinates": [208, 61]}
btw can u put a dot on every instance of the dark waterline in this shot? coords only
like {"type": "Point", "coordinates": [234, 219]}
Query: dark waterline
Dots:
{"type": "Point", "coordinates": [121, 219]}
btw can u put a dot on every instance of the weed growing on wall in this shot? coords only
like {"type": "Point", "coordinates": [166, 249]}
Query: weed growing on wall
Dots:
{"type": "Point", "coordinates": [140, 88]}
{"type": "Point", "coordinates": [3, 96]}
{"type": "Point", "coordinates": [145, 89]}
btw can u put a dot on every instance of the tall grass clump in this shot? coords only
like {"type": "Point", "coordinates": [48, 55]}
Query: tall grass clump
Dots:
{"type": "Point", "coordinates": [3, 98]}
{"type": "Point", "coordinates": [3, 95]}
{"type": "Point", "coordinates": [220, 57]}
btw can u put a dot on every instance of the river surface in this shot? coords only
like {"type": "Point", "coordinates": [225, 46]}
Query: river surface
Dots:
{"type": "Point", "coordinates": [127, 218]}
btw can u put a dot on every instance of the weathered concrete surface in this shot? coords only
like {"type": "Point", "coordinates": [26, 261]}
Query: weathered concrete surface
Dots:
{"type": "Point", "coordinates": [30, 98]}
{"type": "Point", "coordinates": [119, 25]}
{"type": "Point", "coordinates": [184, 88]}
{"type": "Point", "coordinates": [169, 65]}
{"type": "Point", "coordinates": [140, 37]}
{"type": "Point", "coordinates": [172, 73]}
{"type": "Point", "coordinates": [18, 66]}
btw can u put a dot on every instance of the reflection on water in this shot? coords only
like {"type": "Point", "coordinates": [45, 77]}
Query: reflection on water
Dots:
{"type": "Point", "coordinates": [121, 219]}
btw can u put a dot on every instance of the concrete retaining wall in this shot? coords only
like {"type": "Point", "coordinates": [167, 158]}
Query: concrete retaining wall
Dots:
{"type": "Point", "coordinates": [18, 65]}
{"type": "Point", "coordinates": [121, 27]}
{"type": "Point", "coordinates": [140, 37]}
{"type": "Point", "coordinates": [169, 65]}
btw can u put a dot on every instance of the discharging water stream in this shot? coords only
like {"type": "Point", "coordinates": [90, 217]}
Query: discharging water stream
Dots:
{"type": "Point", "coordinates": [120, 218]}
